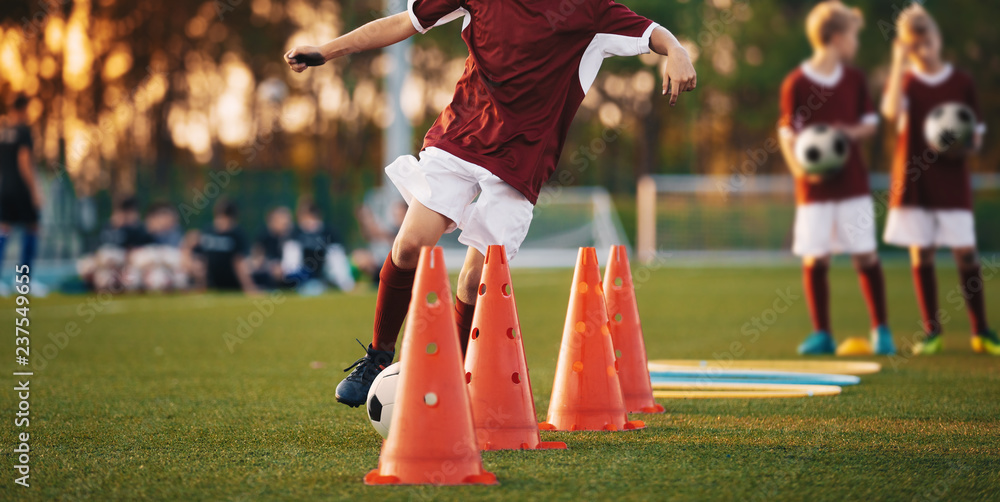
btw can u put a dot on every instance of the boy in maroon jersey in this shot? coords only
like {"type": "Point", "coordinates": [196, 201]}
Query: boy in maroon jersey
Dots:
{"type": "Point", "coordinates": [834, 214]}
{"type": "Point", "coordinates": [531, 62]}
{"type": "Point", "coordinates": [931, 194]}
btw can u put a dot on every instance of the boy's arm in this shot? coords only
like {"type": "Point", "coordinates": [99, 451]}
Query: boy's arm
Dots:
{"type": "Point", "coordinates": [786, 127]}
{"type": "Point", "coordinates": [374, 35]}
{"type": "Point", "coordinates": [861, 131]}
{"type": "Point", "coordinates": [786, 139]}
{"type": "Point", "coordinates": [678, 75]}
{"type": "Point", "coordinates": [892, 98]}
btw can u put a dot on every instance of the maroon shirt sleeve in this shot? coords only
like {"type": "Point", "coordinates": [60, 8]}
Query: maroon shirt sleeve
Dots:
{"type": "Point", "coordinates": [786, 119]}
{"type": "Point", "coordinates": [616, 19]}
{"type": "Point", "coordinates": [425, 14]}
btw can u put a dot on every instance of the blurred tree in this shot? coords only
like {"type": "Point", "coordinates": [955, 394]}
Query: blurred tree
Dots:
{"type": "Point", "coordinates": [200, 83]}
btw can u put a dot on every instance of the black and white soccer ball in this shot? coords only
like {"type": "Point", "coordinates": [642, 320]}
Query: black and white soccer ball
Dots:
{"type": "Point", "coordinates": [382, 398]}
{"type": "Point", "coordinates": [821, 149]}
{"type": "Point", "coordinates": [950, 128]}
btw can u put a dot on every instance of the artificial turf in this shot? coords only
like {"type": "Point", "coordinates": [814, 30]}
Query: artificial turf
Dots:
{"type": "Point", "coordinates": [148, 402]}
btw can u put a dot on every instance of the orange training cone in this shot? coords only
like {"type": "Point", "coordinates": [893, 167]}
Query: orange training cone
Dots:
{"type": "Point", "coordinates": [432, 440]}
{"type": "Point", "coordinates": [586, 394]}
{"type": "Point", "coordinates": [503, 407]}
{"type": "Point", "coordinates": [626, 333]}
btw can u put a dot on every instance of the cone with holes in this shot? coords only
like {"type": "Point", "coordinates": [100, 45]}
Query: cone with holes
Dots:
{"type": "Point", "coordinates": [432, 441]}
{"type": "Point", "coordinates": [626, 333]}
{"type": "Point", "coordinates": [503, 407]}
{"type": "Point", "coordinates": [586, 394]}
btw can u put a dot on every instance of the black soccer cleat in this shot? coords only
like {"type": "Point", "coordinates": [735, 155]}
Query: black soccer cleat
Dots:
{"type": "Point", "coordinates": [353, 390]}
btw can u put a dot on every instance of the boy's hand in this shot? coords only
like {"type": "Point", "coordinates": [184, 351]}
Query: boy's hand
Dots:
{"type": "Point", "coordinates": [899, 51]}
{"type": "Point", "coordinates": [304, 56]}
{"type": "Point", "coordinates": [678, 75]}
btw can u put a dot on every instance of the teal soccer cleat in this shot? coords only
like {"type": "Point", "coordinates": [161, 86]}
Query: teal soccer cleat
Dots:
{"type": "Point", "coordinates": [818, 344]}
{"type": "Point", "coordinates": [882, 342]}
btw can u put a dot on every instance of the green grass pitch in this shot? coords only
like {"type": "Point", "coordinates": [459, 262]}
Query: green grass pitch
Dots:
{"type": "Point", "coordinates": [148, 402]}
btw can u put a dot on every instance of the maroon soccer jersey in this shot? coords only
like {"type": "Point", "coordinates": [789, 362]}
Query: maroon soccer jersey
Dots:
{"type": "Point", "coordinates": [921, 177]}
{"type": "Point", "coordinates": [530, 64]}
{"type": "Point", "coordinates": [838, 99]}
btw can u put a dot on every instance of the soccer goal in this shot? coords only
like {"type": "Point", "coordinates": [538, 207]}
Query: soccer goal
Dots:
{"type": "Point", "coordinates": [749, 218]}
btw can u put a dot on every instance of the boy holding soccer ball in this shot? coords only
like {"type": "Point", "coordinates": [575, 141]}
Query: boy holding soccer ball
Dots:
{"type": "Point", "coordinates": [834, 212]}
{"type": "Point", "coordinates": [931, 195]}
{"type": "Point", "coordinates": [530, 65]}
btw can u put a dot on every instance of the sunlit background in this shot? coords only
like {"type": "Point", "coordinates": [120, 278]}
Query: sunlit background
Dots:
{"type": "Point", "coordinates": [146, 97]}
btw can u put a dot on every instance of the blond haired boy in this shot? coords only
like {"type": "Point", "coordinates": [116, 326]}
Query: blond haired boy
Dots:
{"type": "Point", "coordinates": [931, 194]}
{"type": "Point", "coordinates": [834, 214]}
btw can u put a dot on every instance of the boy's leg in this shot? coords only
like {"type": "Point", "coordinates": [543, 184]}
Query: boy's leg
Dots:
{"type": "Point", "coordinates": [813, 241]}
{"type": "Point", "coordinates": [925, 285]}
{"type": "Point", "coordinates": [972, 285]}
{"type": "Point", "coordinates": [421, 227]}
{"type": "Point", "coordinates": [4, 230]}
{"type": "Point", "coordinates": [466, 293]}
{"type": "Point", "coordinates": [872, 281]}
{"type": "Point", "coordinates": [815, 281]}
{"type": "Point", "coordinates": [29, 245]}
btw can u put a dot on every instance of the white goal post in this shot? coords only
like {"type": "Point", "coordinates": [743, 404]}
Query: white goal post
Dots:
{"type": "Point", "coordinates": [702, 214]}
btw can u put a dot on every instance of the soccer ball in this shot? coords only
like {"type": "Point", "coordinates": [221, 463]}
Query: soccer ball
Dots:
{"type": "Point", "coordinates": [382, 397]}
{"type": "Point", "coordinates": [821, 149]}
{"type": "Point", "coordinates": [950, 128]}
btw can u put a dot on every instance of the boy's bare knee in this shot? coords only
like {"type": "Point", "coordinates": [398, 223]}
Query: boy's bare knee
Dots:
{"type": "Point", "coordinates": [812, 261]}
{"type": "Point", "coordinates": [966, 258]}
{"type": "Point", "coordinates": [470, 276]}
{"type": "Point", "coordinates": [406, 252]}
{"type": "Point", "coordinates": [865, 260]}
{"type": "Point", "coordinates": [921, 256]}
{"type": "Point", "coordinates": [468, 285]}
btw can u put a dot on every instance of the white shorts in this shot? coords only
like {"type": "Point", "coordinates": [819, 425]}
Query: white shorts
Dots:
{"type": "Point", "coordinates": [841, 226]}
{"type": "Point", "coordinates": [449, 185]}
{"type": "Point", "coordinates": [915, 226]}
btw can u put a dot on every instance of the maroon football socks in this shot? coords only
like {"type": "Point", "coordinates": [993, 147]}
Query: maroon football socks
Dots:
{"type": "Point", "coordinates": [972, 289]}
{"type": "Point", "coordinates": [463, 320]}
{"type": "Point", "coordinates": [395, 288]}
{"type": "Point", "coordinates": [873, 288]}
{"type": "Point", "coordinates": [925, 284]}
{"type": "Point", "coordinates": [815, 280]}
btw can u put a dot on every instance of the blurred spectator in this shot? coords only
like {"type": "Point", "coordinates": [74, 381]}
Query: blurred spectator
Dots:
{"type": "Point", "coordinates": [20, 194]}
{"type": "Point", "coordinates": [163, 226]}
{"type": "Point", "coordinates": [125, 230]}
{"type": "Point", "coordinates": [222, 250]}
{"type": "Point", "coordinates": [267, 251]}
{"type": "Point", "coordinates": [160, 265]}
{"type": "Point", "coordinates": [105, 270]}
{"type": "Point", "coordinates": [315, 255]}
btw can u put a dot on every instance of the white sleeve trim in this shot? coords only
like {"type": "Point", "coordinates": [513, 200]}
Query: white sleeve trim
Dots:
{"type": "Point", "coordinates": [870, 119]}
{"type": "Point", "coordinates": [444, 20]}
{"type": "Point", "coordinates": [981, 128]}
{"type": "Point", "coordinates": [605, 45]}
{"type": "Point", "coordinates": [413, 17]}
{"type": "Point", "coordinates": [643, 47]}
